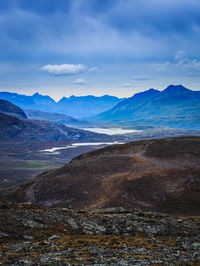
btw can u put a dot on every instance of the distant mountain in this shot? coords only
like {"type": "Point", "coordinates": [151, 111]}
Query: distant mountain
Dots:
{"type": "Point", "coordinates": [11, 109]}
{"type": "Point", "coordinates": [42, 99]}
{"type": "Point", "coordinates": [84, 106]}
{"type": "Point", "coordinates": [176, 106]}
{"type": "Point", "coordinates": [56, 117]}
{"type": "Point", "coordinates": [77, 106]}
{"type": "Point", "coordinates": [31, 102]}
{"type": "Point", "coordinates": [157, 175]}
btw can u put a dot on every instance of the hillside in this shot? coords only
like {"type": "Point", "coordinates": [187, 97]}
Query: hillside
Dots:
{"type": "Point", "coordinates": [31, 132]}
{"type": "Point", "coordinates": [56, 117]}
{"type": "Point", "coordinates": [78, 106]}
{"type": "Point", "coordinates": [11, 109]}
{"type": "Point", "coordinates": [176, 107]}
{"type": "Point", "coordinates": [159, 175]}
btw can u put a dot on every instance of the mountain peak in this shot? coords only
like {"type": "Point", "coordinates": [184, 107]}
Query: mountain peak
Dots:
{"type": "Point", "coordinates": [146, 93]}
{"type": "Point", "coordinates": [36, 94]}
{"type": "Point", "coordinates": [176, 88]}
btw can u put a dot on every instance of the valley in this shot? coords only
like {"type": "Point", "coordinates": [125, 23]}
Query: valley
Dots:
{"type": "Point", "coordinates": [30, 147]}
{"type": "Point", "coordinates": [21, 161]}
{"type": "Point", "coordinates": [159, 175]}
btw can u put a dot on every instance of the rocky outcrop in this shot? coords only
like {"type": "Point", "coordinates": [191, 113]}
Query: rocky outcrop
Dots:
{"type": "Point", "coordinates": [43, 236]}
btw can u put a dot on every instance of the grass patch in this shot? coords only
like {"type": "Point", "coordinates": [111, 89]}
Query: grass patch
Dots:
{"type": "Point", "coordinates": [29, 165]}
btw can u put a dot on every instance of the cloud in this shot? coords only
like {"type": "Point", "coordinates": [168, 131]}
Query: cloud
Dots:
{"type": "Point", "coordinates": [80, 82]}
{"type": "Point", "coordinates": [182, 61]}
{"type": "Point", "coordinates": [126, 85]}
{"type": "Point", "coordinates": [138, 78]}
{"type": "Point", "coordinates": [64, 69]}
{"type": "Point", "coordinates": [92, 69]}
{"type": "Point", "coordinates": [100, 28]}
{"type": "Point", "coordinates": [161, 66]}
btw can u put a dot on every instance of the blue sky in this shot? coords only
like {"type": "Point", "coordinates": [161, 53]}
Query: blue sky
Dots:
{"type": "Point", "coordinates": [81, 47]}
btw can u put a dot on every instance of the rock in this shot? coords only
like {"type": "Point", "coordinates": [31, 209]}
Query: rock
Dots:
{"type": "Point", "coordinates": [157, 230]}
{"type": "Point", "coordinates": [92, 227]}
{"type": "Point", "coordinates": [179, 220]}
{"type": "Point", "coordinates": [25, 262]}
{"type": "Point", "coordinates": [3, 235]}
{"type": "Point", "coordinates": [95, 250]}
{"type": "Point", "coordinates": [113, 230]}
{"type": "Point", "coordinates": [33, 224]}
{"type": "Point", "coordinates": [72, 223]}
{"type": "Point", "coordinates": [29, 237]}
{"type": "Point", "coordinates": [196, 245]}
{"type": "Point", "coordinates": [53, 237]}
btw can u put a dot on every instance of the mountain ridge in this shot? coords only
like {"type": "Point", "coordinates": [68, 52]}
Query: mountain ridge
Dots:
{"type": "Point", "coordinates": [77, 106]}
{"type": "Point", "coordinates": [36, 132]}
{"type": "Point", "coordinates": [11, 109]}
{"type": "Point", "coordinates": [174, 103]}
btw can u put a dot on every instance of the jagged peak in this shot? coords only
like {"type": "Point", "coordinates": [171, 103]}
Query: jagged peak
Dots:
{"type": "Point", "coordinates": [36, 94]}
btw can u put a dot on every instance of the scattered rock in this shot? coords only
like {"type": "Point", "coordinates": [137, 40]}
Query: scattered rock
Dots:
{"type": "Point", "coordinates": [112, 236]}
{"type": "Point", "coordinates": [53, 237]}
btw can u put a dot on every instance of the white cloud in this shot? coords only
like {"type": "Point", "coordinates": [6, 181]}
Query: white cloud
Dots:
{"type": "Point", "coordinates": [64, 69]}
{"type": "Point", "coordinates": [182, 61]}
{"type": "Point", "coordinates": [80, 82]}
{"type": "Point", "coordinates": [161, 66]}
{"type": "Point", "coordinates": [92, 69]}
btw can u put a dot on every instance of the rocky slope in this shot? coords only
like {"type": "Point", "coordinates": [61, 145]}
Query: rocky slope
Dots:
{"type": "Point", "coordinates": [11, 109]}
{"type": "Point", "coordinates": [43, 236]}
{"type": "Point", "coordinates": [160, 175]}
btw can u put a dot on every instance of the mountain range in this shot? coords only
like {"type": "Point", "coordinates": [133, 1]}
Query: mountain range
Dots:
{"type": "Point", "coordinates": [77, 106]}
{"type": "Point", "coordinates": [176, 107]}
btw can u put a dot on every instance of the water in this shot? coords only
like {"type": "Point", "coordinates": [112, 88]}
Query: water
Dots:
{"type": "Point", "coordinates": [74, 145]}
{"type": "Point", "coordinates": [111, 131]}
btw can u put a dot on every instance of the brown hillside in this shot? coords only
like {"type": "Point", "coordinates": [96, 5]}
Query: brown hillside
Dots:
{"type": "Point", "coordinates": [160, 175]}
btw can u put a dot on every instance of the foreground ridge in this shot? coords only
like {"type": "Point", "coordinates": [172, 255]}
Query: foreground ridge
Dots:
{"type": "Point", "coordinates": [33, 235]}
{"type": "Point", "coordinates": [161, 175]}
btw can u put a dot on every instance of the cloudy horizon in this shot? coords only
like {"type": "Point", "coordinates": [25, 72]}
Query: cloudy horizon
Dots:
{"type": "Point", "coordinates": [81, 47]}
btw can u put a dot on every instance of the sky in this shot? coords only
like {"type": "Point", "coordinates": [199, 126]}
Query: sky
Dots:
{"type": "Point", "coordinates": [81, 47]}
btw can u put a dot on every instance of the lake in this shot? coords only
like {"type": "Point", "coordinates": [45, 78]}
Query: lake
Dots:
{"type": "Point", "coordinates": [74, 145]}
{"type": "Point", "coordinates": [111, 131]}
